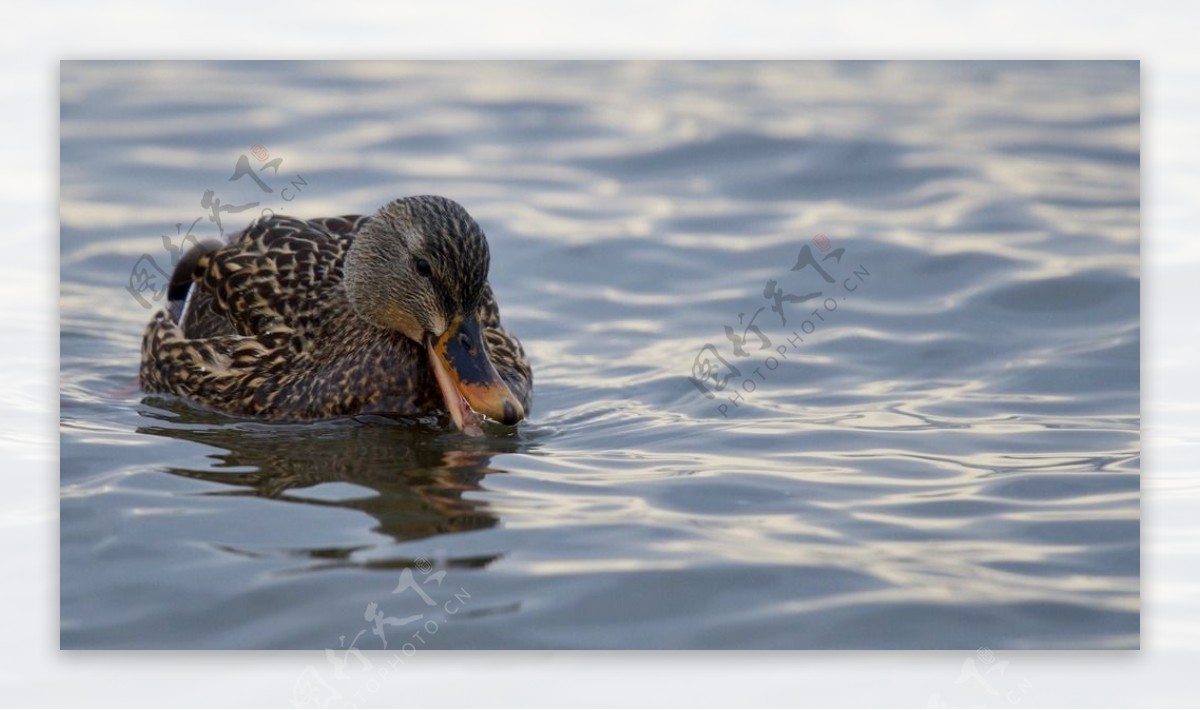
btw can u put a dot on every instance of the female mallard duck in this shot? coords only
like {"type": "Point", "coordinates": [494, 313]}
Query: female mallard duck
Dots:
{"type": "Point", "coordinates": [300, 320]}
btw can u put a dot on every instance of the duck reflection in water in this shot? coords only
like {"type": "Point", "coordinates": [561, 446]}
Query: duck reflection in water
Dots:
{"type": "Point", "coordinates": [419, 474]}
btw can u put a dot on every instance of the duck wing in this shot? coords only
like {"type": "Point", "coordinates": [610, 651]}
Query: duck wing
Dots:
{"type": "Point", "coordinates": [275, 275]}
{"type": "Point", "coordinates": [241, 314]}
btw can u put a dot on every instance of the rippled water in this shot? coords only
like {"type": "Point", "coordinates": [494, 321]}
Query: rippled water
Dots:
{"type": "Point", "coordinates": [939, 451]}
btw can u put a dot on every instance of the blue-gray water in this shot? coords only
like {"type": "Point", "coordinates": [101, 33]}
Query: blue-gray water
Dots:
{"type": "Point", "coordinates": [947, 459]}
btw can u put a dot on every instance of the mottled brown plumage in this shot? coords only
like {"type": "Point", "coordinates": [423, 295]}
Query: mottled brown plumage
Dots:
{"type": "Point", "coordinates": [308, 319]}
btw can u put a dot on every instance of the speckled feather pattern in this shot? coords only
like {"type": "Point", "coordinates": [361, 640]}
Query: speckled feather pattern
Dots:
{"type": "Point", "coordinates": [269, 332]}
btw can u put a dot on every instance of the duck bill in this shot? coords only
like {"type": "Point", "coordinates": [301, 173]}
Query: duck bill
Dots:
{"type": "Point", "coordinates": [469, 382]}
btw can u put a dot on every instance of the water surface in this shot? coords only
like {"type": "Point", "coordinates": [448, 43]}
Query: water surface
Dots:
{"type": "Point", "coordinates": [939, 451]}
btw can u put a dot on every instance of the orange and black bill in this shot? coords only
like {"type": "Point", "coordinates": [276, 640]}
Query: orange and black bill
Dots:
{"type": "Point", "coordinates": [467, 378]}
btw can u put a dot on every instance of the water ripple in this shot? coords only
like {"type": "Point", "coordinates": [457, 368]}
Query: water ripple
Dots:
{"type": "Point", "coordinates": [947, 459]}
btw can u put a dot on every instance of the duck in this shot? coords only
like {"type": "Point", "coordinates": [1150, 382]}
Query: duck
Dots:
{"type": "Point", "coordinates": [306, 319]}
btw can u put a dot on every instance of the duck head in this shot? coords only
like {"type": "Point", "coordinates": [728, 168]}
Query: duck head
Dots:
{"type": "Point", "coordinates": [419, 266]}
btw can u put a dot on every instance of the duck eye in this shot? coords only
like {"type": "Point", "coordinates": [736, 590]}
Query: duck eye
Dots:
{"type": "Point", "coordinates": [423, 268]}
